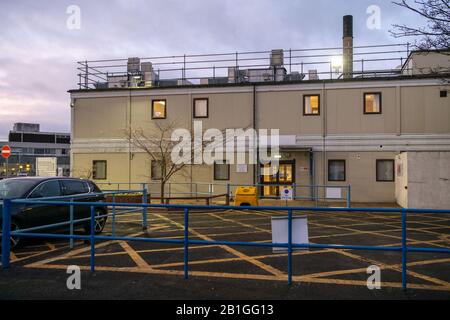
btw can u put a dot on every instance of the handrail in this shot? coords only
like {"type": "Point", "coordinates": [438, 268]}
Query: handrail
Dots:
{"type": "Point", "coordinates": [404, 249]}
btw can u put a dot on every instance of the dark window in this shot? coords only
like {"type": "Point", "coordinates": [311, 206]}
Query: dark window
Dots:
{"type": "Point", "coordinates": [336, 170]}
{"type": "Point", "coordinates": [159, 109]}
{"type": "Point", "coordinates": [201, 108]}
{"type": "Point", "coordinates": [39, 138]}
{"type": "Point", "coordinates": [156, 170]}
{"type": "Point", "coordinates": [63, 139]}
{"type": "Point", "coordinates": [372, 103]}
{"type": "Point", "coordinates": [47, 189]}
{"type": "Point", "coordinates": [443, 93]}
{"type": "Point", "coordinates": [44, 151]}
{"type": "Point", "coordinates": [15, 137]}
{"type": "Point", "coordinates": [385, 170]}
{"type": "Point", "coordinates": [311, 105]}
{"type": "Point", "coordinates": [99, 170]}
{"type": "Point", "coordinates": [71, 187]}
{"type": "Point", "coordinates": [221, 171]}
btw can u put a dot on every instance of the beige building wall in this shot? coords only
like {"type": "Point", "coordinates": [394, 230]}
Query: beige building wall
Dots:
{"type": "Point", "coordinates": [424, 111]}
{"type": "Point", "coordinates": [360, 170]}
{"type": "Point", "coordinates": [99, 123]}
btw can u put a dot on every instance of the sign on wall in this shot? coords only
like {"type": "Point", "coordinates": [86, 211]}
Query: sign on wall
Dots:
{"type": "Point", "coordinates": [46, 167]}
{"type": "Point", "coordinates": [241, 168]}
{"type": "Point", "coordinates": [334, 193]}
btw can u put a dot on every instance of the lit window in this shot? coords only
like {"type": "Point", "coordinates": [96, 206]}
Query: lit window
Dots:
{"type": "Point", "coordinates": [156, 170]}
{"type": "Point", "coordinates": [201, 108]}
{"type": "Point", "coordinates": [385, 170]}
{"type": "Point", "coordinates": [221, 171]}
{"type": "Point", "coordinates": [336, 170]}
{"type": "Point", "coordinates": [99, 170]}
{"type": "Point", "coordinates": [311, 105]}
{"type": "Point", "coordinates": [158, 109]}
{"type": "Point", "coordinates": [372, 103]}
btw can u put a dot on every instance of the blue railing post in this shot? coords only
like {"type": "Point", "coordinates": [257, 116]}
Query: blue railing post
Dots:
{"type": "Point", "coordinates": [290, 246]}
{"type": "Point", "coordinates": [186, 243]}
{"type": "Point", "coordinates": [114, 215]}
{"type": "Point", "coordinates": [6, 234]}
{"type": "Point", "coordinates": [71, 225]}
{"type": "Point", "coordinates": [404, 249]}
{"type": "Point", "coordinates": [349, 199]}
{"type": "Point", "coordinates": [92, 239]}
{"type": "Point", "coordinates": [144, 208]}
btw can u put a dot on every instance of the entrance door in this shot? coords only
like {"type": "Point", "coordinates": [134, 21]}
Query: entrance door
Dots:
{"type": "Point", "coordinates": [275, 176]}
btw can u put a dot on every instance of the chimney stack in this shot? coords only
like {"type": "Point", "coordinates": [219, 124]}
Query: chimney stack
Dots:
{"type": "Point", "coordinates": [348, 47]}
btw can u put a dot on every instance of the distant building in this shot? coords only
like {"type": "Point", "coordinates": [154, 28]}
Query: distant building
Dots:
{"type": "Point", "coordinates": [27, 143]}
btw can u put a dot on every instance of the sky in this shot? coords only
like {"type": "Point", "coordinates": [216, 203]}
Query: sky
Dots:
{"type": "Point", "coordinates": [38, 52]}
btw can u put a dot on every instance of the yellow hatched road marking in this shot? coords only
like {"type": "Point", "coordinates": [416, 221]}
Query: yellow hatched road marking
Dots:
{"type": "Point", "coordinates": [141, 263]}
{"type": "Point", "coordinates": [237, 253]}
{"type": "Point", "coordinates": [301, 279]}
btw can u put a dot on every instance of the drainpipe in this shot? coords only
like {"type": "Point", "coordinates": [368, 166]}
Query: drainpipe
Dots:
{"type": "Point", "coordinates": [311, 174]}
{"type": "Point", "coordinates": [255, 140]}
{"type": "Point", "coordinates": [324, 133]}
{"type": "Point", "coordinates": [129, 143]}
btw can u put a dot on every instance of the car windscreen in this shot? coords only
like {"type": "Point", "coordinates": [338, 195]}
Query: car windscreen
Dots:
{"type": "Point", "coordinates": [15, 188]}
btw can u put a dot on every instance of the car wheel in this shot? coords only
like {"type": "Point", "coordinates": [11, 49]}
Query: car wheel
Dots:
{"type": "Point", "coordinates": [99, 224]}
{"type": "Point", "coordinates": [15, 242]}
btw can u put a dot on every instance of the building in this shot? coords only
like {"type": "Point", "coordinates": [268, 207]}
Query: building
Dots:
{"type": "Point", "coordinates": [28, 143]}
{"type": "Point", "coordinates": [340, 123]}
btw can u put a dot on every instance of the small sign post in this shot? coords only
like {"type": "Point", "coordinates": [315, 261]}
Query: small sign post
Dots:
{"type": "Point", "coordinates": [6, 153]}
{"type": "Point", "coordinates": [287, 194]}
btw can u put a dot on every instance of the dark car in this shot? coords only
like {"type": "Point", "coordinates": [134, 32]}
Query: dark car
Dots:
{"type": "Point", "coordinates": [25, 216]}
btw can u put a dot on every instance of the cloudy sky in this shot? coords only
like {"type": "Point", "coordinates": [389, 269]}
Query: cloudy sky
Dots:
{"type": "Point", "coordinates": [38, 53]}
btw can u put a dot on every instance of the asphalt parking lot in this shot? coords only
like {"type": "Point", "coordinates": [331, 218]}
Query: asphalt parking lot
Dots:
{"type": "Point", "coordinates": [139, 270]}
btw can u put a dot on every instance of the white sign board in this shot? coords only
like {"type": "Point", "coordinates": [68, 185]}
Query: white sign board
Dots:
{"type": "Point", "coordinates": [287, 193]}
{"type": "Point", "coordinates": [280, 231]}
{"type": "Point", "coordinates": [334, 193]}
{"type": "Point", "coordinates": [46, 167]}
{"type": "Point", "coordinates": [241, 168]}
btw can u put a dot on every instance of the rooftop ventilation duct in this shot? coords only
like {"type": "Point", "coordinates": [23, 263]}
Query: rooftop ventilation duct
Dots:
{"type": "Point", "coordinates": [276, 58]}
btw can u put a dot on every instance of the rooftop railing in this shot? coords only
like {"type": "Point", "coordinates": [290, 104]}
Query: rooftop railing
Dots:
{"type": "Point", "coordinates": [287, 65]}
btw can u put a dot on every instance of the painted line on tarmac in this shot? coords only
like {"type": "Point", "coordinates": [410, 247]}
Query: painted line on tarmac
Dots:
{"type": "Point", "coordinates": [235, 252]}
{"type": "Point", "coordinates": [298, 279]}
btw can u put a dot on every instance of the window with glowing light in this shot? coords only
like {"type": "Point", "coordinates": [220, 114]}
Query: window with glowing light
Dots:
{"type": "Point", "coordinates": [159, 109]}
{"type": "Point", "coordinates": [311, 105]}
{"type": "Point", "coordinates": [372, 103]}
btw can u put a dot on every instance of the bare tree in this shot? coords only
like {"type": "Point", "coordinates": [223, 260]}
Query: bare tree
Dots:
{"type": "Point", "coordinates": [435, 35]}
{"type": "Point", "coordinates": [158, 145]}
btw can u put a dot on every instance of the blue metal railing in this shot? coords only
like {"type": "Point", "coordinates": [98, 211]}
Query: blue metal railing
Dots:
{"type": "Point", "coordinates": [314, 193]}
{"type": "Point", "coordinates": [403, 248]}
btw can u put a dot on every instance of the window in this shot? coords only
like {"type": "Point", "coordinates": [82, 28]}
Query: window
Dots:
{"type": "Point", "coordinates": [201, 108]}
{"type": "Point", "coordinates": [336, 170]}
{"type": "Point", "coordinates": [385, 170]}
{"type": "Point", "coordinates": [99, 170]}
{"type": "Point", "coordinates": [156, 170]}
{"type": "Point", "coordinates": [71, 187]}
{"type": "Point", "coordinates": [159, 109]}
{"type": "Point", "coordinates": [311, 105]}
{"type": "Point", "coordinates": [221, 171]}
{"type": "Point", "coordinates": [443, 94]}
{"type": "Point", "coordinates": [47, 189]}
{"type": "Point", "coordinates": [372, 103]}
